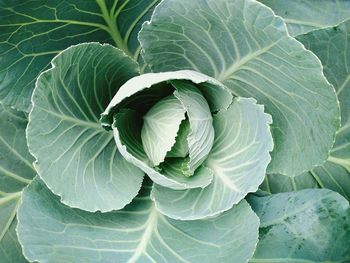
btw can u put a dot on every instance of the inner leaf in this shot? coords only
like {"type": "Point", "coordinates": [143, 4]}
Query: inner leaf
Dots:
{"type": "Point", "coordinates": [160, 126]}
{"type": "Point", "coordinates": [201, 137]}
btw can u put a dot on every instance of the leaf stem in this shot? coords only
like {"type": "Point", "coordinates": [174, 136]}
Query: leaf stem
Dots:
{"type": "Point", "coordinates": [113, 29]}
{"type": "Point", "coordinates": [10, 197]}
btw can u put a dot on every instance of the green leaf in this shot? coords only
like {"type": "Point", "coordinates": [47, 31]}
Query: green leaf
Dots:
{"type": "Point", "coordinates": [252, 54]}
{"type": "Point", "coordinates": [201, 137]}
{"type": "Point", "coordinates": [329, 175]}
{"type": "Point", "coordinates": [76, 157]}
{"type": "Point", "coordinates": [16, 171]}
{"type": "Point", "coordinates": [160, 126]}
{"type": "Point", "coordinates": [335, 173]}
{"type": "Point", "coordinates": [306, 226]}
{"type": "Point", "coordinates": [33, 32]}
{"type": "Point", "coordinates": [146, 82]}
{"type": "Point", "coordinates": [238, 159]}
{"type": "Point", "coordinates": [332, 46]}
{"type": "Point", "coordinates": [127, 133]}
{"type": "Point", "coordinates": [50, 231]}
{"type": "Point", "coordinates": [146, 90]}
{"type": "Point", "coordinates": [10, 249]}
{"type": "Point", "coordinates": [302, 16]}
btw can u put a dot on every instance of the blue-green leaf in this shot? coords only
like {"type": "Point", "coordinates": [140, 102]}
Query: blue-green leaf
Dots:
{"type": "Point", "coordinates": [75, 156]}
{"type": "Point", "coordinates": [332, 46]}
{"type": "Point", "coordinates": [52, 232]}
{"type": "Point", "coordinates": [243, 44]}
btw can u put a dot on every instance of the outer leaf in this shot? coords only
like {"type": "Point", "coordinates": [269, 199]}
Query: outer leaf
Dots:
{"type": "Point", "coordinates": [245, 46]}
{"type": "Point", "coordinates": [149, 88]}
{"type": "Point", "coordinates": [238, 159]}
{"type": "Point", "coordinates": [16, 171]}
{"type": "Point", "coordinates": [137, 233]}
{"type": "Point", "coordinates": [11, 250]}
{"type": "Point", "coordinates": [160, 127]}
{"type": "Point", "coordinates": [303, 16]}
{"type": "Point", "coordinates": [305, 226]}
{"type": "Point", "coordinates": [201, 137]}
{"type": "Point", "coordinates": [126, 129]}
{"type": "Point", "coordinates": [33, 32]}
{"type": "Point", "coordinates": [76, 157]}
{"type": "Point", "coordinates": [332, 46]}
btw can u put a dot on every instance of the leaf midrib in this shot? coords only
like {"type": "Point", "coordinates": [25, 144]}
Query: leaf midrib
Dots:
{"type": "Point", "coordinates": [226, 75]}
{"type": "Point", "coordinates": [144, 241]}
{"type": "Point", "coordinates": [89, 124]}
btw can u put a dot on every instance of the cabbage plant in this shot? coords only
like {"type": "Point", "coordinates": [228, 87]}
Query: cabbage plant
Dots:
{"type": "Point", "coordinates": [174, 131]}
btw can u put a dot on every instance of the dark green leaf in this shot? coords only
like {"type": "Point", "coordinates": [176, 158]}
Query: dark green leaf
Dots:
{"type": "Point", "coordinates": [34, 31]}
{"type": "Point", "coordinates": [16, 171]}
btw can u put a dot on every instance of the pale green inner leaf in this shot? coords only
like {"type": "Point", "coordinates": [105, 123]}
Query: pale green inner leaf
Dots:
{"type": "Point", "coordinates": [201, 137]}
{"type": "Point", "coordinates": [160, 127]}
{"type": "Point", "coordinates": [127, 132]}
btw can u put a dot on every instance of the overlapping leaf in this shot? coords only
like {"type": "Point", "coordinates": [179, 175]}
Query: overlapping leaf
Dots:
{"type": "Point", "coordinates": [16, 171]}
{"type": "Point", "coordinates": [238, 160]}
{"type": "Point", "coordinates": [34, 31]}
{"type": "Point", "coordinates": [76, 157]}
{"type": "Point", "coordinates": [332, 46]}
{"type": "Point", "coordinates": [160, 127]}
{"type": "Point", "coordinates": [143, 91]}
{"type": "Point", "coordinates": [49, 231]}
{"type": "Point", "coordinates": [244, 45]}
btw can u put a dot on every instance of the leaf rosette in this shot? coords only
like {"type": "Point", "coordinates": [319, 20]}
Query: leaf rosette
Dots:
{"type": "Point", "coordinates": [198, 143]}
{"type": "Point", "coordinates": [203, 140]}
